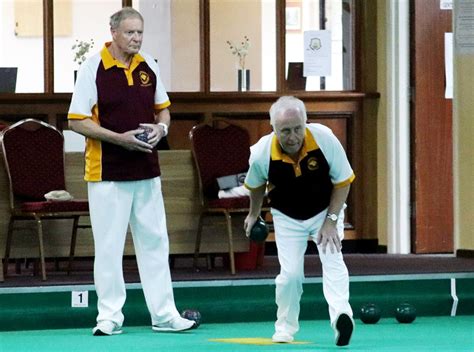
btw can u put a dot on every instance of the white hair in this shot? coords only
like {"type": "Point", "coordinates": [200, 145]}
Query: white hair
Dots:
{"type": "Point", "coordinates": [124, 13]}
{"type": "Point", "coordinates": [287, 103]}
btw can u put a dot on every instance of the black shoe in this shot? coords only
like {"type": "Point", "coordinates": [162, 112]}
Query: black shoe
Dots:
{"type": "Point", "coordinates": [344, 327]}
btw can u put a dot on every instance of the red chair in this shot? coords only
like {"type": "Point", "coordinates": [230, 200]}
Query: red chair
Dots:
{"type": "Point", "coordinates": [33, 152]}
{"type": "Point", "coordinates": [219, 150]}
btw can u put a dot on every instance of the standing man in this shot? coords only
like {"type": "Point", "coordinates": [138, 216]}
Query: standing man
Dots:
{"type": "Point", "coordinates": [307, 175]}
{"type": "Point", "coordinates": [119, 95]}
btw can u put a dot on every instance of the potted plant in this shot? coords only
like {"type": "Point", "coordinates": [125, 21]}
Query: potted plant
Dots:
{"type": "Point", "coordinates": [80, 49]}
{"type": "Point", "coordinates": [241, 51]}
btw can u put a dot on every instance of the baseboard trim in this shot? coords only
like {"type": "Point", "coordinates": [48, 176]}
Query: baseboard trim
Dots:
{"type": "Point", "coordinates": [365, 246]}
{"type": "Point", "coordinates": [465, 253]}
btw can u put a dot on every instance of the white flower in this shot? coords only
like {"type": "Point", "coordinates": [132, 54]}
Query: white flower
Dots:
{"type": "Point", "coordinates": [81, 48]}
{"type": "Point", "coordinates": [240, 51]}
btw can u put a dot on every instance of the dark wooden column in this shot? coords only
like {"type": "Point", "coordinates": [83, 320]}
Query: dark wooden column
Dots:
{"type": "Point", "coordinates": [431, 128]}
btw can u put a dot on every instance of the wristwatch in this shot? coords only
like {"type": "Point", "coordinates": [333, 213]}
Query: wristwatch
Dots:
{"type": "Point", "coordinates": [332, 217]}
{"type": "Point", "coordinates": [165, 128]}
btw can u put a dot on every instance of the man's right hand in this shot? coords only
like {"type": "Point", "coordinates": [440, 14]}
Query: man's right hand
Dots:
{"type": "Point", "coordinates": [129, 141]}
{"type": "Point", "coordinates": [126, 140]}
{"type": "Point", "coordinates": [250, 220]}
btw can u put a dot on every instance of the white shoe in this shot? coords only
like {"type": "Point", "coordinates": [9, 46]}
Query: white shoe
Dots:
{"type": "Point", "coordinates": [344, 327]}
{"type": "Point", "coordinates": [175, 324]}
{"type": "Point", "coordinates": [106, 328]}
{"type": "Point", "coordinates": [282, 337]}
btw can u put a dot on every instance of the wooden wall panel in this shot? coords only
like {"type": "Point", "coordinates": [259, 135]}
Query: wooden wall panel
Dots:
{"type": "Point", "coordinates": [340, 111]}
{"type": "Point", "coordinates": [180, 191]}
{"type": "Point", "coordinates": [432, 141]}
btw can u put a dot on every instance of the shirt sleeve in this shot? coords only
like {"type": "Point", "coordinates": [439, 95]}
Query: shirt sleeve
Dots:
{"type": "Point", "coordinates": [340, 170]}
{"type": "Point", "coordinates": [257, 175]}
{"type": "Point", "coordinates": [161, 97]}
{"type": "Point", "coordinates": [84, 97]}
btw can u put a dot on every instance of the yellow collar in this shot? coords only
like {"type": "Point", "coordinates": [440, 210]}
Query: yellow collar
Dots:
{"type": "Point", "coordinates": [309, 144]}
{"type": "Point", "coordinates": [109, 60]}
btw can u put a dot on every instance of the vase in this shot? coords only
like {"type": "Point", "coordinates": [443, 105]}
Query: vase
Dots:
{"type": "Point", "coordinates": [243, 80]}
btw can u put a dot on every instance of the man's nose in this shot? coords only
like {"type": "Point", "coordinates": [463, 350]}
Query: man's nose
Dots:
{"type": "Point", "coordinates": [293, 136]}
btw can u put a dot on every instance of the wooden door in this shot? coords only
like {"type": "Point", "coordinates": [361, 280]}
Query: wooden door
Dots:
{"type": "Point", "coordinates": [431, 131]}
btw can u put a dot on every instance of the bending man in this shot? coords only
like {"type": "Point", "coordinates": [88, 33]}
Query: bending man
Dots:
{"type": "Point", "coordinates": [305, 171]}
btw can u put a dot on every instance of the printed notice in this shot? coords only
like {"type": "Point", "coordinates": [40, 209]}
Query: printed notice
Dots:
{"type": "Point", "coordinates": [446, 4]}
{"type": "Point", "coordinates": [317, 53]}
{"type": "Point", "coordinates": [464, 40]}
{"type": "Point", "coordinates": [448, 64]}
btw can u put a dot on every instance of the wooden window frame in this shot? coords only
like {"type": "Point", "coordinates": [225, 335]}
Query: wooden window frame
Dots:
{"type": "Point", "coordinates": [205, 82]}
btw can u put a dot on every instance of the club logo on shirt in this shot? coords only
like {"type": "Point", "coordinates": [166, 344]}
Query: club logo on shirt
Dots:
{"type": "Point", "coordinates": [144, 79]}
{"type": "Point", "coordinates": [312, 164]}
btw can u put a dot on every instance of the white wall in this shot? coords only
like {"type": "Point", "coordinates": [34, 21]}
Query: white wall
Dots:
{"type": "Point", "coordinates": [157, 38]}
{"type": "Point", "coordinates": [268, 46]}
{"type": "Point", "coordinates": [24, 53]}
{"type": "Point", "coordinates": [90, 21]}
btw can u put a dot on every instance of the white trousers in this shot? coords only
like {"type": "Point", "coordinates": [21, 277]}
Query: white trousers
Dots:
{"type": "Point", "coordinates": [292, 240]}
{"type": "Point", "coordinates": [113, 206]}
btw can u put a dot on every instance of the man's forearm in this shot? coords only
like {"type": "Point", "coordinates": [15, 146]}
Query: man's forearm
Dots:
{"type": "Point", "coordinates": [256, 200]}
{"type": "Point", "coordinates": [163, 116]}
{"type": "Point", "coordinates": [338, 198]}
{"type": "Point", "coordinates": [90, 129]}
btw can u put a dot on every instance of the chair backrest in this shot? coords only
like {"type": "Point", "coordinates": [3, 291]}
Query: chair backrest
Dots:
{"type": "Point", "coordinates": [219, 152]}
{"type": "Point", "coordinates": [33, 152]}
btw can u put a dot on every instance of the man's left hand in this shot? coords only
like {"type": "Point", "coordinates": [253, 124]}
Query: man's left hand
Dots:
{"type": "Point", "coordinates": [157, 132]}
{"type": "Point", "coordinates": [328, 235]}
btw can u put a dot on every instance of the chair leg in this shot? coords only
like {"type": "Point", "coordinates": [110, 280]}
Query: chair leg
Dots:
{"type": "Point", "coordinates": [41, 247]}
{"type": "Point", "coordinates": [171, 261]}
{"type": "Point", "coordinates": [2, 278]}
{"type": "Point", "coordinates": [231, 242]}
{"type": "Point", "coordinates": [35, 266]}
{"type": "Point", "coordinates": [8, 243]}
{"type": "Point", "coordinates": [72, 250]}
{"type": "Point", "coordinates": [18, 265]}
{"type": "Point", "coordinates": [197, 246]}
{"type": "Point", "coordinates": [210, 261]}
{"type": "Point", "coordinates": [56, 264]}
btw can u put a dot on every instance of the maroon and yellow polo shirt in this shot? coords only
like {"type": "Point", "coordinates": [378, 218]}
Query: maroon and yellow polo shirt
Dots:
{"type": "Point", "coordinates": [118, 98]}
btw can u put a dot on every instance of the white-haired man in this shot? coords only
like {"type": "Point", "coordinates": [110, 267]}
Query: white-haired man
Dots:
{"type": "Point", "coordinates": [304, 170]}
{"type": "Point", "coordinates": [117, 97]}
